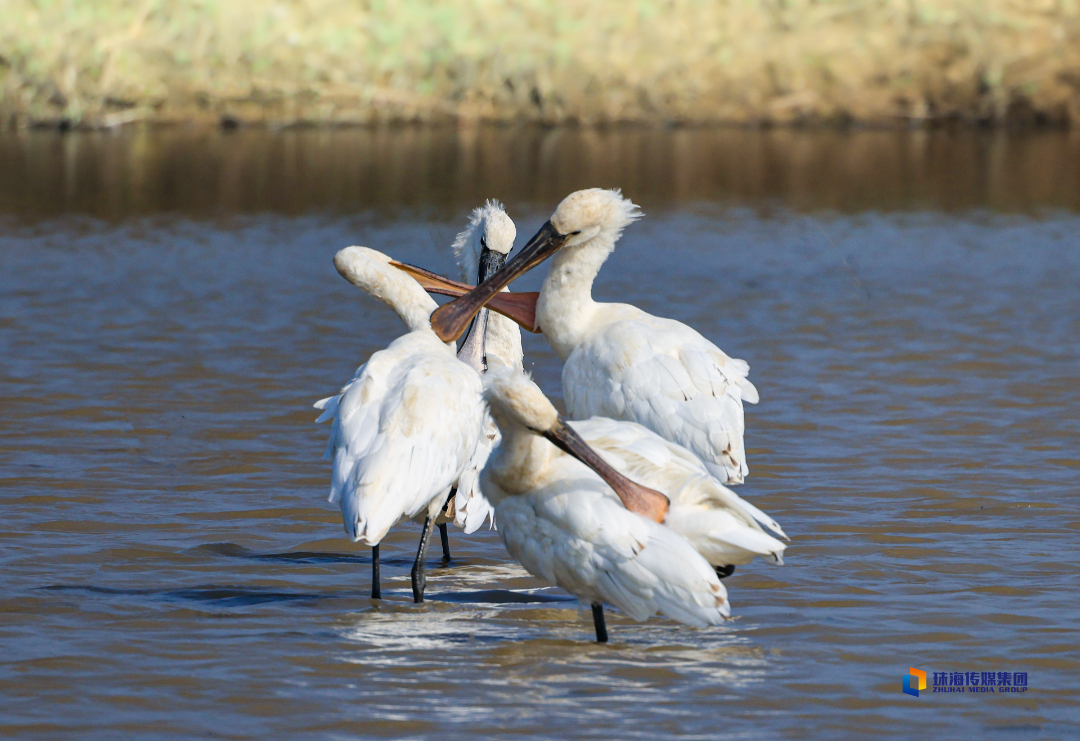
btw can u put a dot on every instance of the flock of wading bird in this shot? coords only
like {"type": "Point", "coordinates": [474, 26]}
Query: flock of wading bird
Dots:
{"type": "Point", "coordinates": [624, 503]}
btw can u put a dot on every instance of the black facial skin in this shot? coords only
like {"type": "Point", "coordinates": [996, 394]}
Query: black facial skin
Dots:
{"type": "Point", "coordinates": [490, 262]}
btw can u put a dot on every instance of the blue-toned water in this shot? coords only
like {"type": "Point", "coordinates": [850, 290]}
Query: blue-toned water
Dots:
{"type": "Point", "coordinates": [169, 566]}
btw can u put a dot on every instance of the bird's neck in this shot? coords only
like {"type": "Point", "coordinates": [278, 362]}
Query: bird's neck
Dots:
{"type": "Point", "coordinates": [566, 307]}
{"type": "Point", "coordinates": [472, 350]}
{"type": "Point", "coordinates": [503, 342]}
{"type": "Point", "coordinates": [518, 464]}
{"type": "Point", "coordinates": [413, 307]}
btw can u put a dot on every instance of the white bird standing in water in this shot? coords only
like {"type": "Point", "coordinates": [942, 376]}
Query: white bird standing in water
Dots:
{"type": "Point", "coordinates": [407, 427]}
{"type": "Point", "coordinates": [481, 249]}
{"type": "Point", "coordinates": [593, 532]}
{"type": "Point", "coordinates": [619, 361]}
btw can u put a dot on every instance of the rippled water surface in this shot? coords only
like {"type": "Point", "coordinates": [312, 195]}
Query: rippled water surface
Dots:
{"type": "Point", "coordinates": [169, 566]}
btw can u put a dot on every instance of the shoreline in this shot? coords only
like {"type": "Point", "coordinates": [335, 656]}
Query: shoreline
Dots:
{"type": "Point", "coordinates": [200, 122]}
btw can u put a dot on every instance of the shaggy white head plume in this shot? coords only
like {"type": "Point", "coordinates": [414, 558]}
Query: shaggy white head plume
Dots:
{"type": "Point", "coordinates": [588, 213]}
{"type": "Point", "coordinates": [488, 226]}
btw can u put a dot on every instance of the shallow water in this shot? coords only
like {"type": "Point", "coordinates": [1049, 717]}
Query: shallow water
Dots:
{"type": "Point", "coordinates": [170, 568]}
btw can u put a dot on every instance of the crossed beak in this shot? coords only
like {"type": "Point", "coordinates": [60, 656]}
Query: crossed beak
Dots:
{"type": "Point", "coordinates": [635, 497]}
{"type": "Point", "coordinates": [521, 307]}
{"type": "Point", "coordinates": [451, 319]}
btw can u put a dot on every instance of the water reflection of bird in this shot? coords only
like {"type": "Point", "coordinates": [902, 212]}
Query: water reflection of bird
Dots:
{"type": "Point", "coordinates": [407, 427]}
{"type": "Point", "coordinates": [619, 361]}
{"type": "Point", "coordinates": [593, 532]}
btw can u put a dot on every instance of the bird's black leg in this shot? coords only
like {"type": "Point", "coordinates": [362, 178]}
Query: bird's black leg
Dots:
{"type": "Point", "coordinates": [445, 543]}
{"type": "Point", "coordinates": [598, 621]}
{"type": "Point", "coordinates": [376, 589]}
{"type": "Point", "coordinates": [419, 580]}
{"type": "Point", "coordinates": [725, 571]}
{"type": "Point", "coordinates": [442, 528]}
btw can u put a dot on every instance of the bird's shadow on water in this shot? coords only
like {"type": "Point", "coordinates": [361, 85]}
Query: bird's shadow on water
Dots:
{"type": "Point", "coordinates": [219, 595]}
{"type": "Point", "coordinates": [226, 596]}
{"type": "Point", "coordinates": [238, 596]}
{"type": "Point", "coordinates": [232, 550]}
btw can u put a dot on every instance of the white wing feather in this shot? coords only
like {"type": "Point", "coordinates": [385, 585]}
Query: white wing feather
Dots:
{"type": "Point", "coordinates": [664, 375]}
{"type": "Point", "coordinates": [404, 431]}
{"type": "Point", "coordinates": [576, 534]}
{"type": "Point", "coordinates": [472, 508]}
{"type": "Point", "coordinates": [720, 524]}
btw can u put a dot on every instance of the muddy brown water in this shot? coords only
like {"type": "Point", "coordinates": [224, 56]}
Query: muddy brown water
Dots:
{"type": "Point", "coordinates": [909, 304]}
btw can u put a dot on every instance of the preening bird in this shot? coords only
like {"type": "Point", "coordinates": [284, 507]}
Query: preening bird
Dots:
{"type": "Point", "coordinates": [407, 427]}
{"type": "Point", "coordinates": [569, 518]}
{"type": "Point", "coordinates": [480, 250]}
{"type": "Point", "coordinates": [619, 361]}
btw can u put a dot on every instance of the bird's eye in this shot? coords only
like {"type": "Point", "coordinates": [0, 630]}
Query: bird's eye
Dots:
{"type": "Point", "coordinates": [577, 232]}
{"type": "Point", "coordinates": [483, 242]}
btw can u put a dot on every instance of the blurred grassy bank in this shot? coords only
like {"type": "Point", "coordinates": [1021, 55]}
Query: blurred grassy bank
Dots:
{"type": "Point", "coordinates": [283, 62]}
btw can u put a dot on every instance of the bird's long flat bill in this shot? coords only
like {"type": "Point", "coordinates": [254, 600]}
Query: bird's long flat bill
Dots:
{"type": "Point", "coordinates": [635, 497]}
{"type": "Point", "coordinates": [520, 307]}
{"type": "Point", "coordinates": [451, 319]}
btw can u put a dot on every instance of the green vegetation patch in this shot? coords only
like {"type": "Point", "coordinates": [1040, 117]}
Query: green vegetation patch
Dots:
{"type": "Point", "coordinates": [284, 62]}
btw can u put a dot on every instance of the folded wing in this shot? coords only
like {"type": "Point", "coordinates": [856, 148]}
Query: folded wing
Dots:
{"type": "Point", "coordinates": [665, 376]}
{"type": "Point", "coordinates": [405, 429]}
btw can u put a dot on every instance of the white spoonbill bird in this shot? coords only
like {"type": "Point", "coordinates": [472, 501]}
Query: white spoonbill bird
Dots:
{"type": "Point", "coordinates": [480, 251]}
{"type": "Point", "coordinates": [408, 425]}
{"type": "Point", "coordinates": [593, 532]}
{"type": "Point", "coordinates": [619, 361]}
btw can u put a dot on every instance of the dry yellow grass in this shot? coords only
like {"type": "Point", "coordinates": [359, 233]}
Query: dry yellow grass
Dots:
{"type": "Point", "coordinates": [279, 62]}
